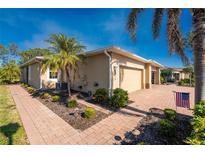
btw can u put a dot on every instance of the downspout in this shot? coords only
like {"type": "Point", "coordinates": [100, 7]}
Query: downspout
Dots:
{"type": "Point", "coordinates": [110, 73]}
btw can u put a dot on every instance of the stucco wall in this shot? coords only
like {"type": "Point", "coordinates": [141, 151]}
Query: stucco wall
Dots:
{"type": "Point", "coordinates": [183, 75]}
{"type": "Point", "coordinates": [24, 74]}
{"type": "Point", "coordinates": [34, 72]}
{"type": "Point", "coordinates": [94, 70]}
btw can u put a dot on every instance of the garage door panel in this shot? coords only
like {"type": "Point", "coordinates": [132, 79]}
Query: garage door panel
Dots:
{"type": "Point", "coordinates": [130, 79]}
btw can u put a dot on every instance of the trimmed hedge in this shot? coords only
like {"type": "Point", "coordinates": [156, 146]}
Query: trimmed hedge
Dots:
{"type": "Point", "coordinates": [119, 98]}
{"type": "Point", "coordinates": [55, 98]}
{"type": "Point", "coordinates": [89, 113]}
{"type": "Point", "coordinates": [30, 90]}
{"type": "Point", "coordinates": [101, 95]}
{"type": "Point", "coordinates": [199, 109]}
{"type": "Point", "coordinates": [72, 104]}
{"type": "Point", "coordinates": [44, 95]}
{"type": "Point", "coordinates": [170, 114]}
{"type": "Point", "coordinates": [167, 128]}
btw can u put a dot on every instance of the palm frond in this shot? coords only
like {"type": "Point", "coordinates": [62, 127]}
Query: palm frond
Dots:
{"type": "Point", "coordinates": [156, 25]}
{"type": "Point", "coordinates": [175, 40]}
{"type": "Point", "coordinates": [132, 22]}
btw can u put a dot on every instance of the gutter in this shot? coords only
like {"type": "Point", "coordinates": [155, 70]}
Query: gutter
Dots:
{"type": "Point", "coordinates": [110, 73]}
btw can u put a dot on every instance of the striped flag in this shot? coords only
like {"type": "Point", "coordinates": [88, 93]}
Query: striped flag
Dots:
{"type": "Point", "coordinates": [182, 99]}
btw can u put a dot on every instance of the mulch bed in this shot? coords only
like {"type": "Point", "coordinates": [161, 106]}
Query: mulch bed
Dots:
{"type": "Point", "coordinates": [90, 100]}
{"type": "Point", "coordinates": [147, 131]}
{"type": "Point", "coordinates": [73, 116]}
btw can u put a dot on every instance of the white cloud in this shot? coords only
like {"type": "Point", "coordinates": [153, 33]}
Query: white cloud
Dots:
{"type": "Point", "coordinates": [49, 27]}
{"type": "Point", "coordinates": [45, 29]}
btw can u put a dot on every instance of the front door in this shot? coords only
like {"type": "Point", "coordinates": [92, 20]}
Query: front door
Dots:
{"type": "Point", "coordinates": [153, 77]}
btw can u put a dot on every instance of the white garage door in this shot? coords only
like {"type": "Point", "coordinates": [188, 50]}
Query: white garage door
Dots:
{"type": "Point", "coordinates": [130, 79]}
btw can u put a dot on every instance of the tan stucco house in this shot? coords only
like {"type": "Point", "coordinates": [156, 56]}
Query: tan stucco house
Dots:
{"type": "Point", "coordinates": [108, 68]}
{"type": "Point", "coordinates": [177, 73]}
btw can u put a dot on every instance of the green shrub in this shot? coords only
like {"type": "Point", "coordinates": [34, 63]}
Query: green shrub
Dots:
{"type": "Point", "coordinates": [167, 128]}
{"type": "Point", "coordinates": [198, 133]}
{"type": "Point", "coordinates": [30, 90]}
{"type": "Point", "coordinates": [72, 104]}
{"type": "Point", "coordinates": [55, 98]}
{"type": "Point", "coordinates": [170, 114]}
{"type": "Point", "coordinates": [89, 113]}
{"type": "Point", "coordinates": [24, 85]}
{"type": "Point", "coordinates": [119, 98]}
{"type": "Point", "coordinates": [186, 82]}
{"type": "Point", "coordinates": [44, 95]}
{"type": "Point", "coordinates": [199, 109]}
{"type": "Point", "coordinates": [162, 80]}
{"type": "Point", "coordinates": [101, 95]}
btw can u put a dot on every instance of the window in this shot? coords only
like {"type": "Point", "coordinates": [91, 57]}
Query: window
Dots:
{"type": "Point", "coordinates": [53, 74]}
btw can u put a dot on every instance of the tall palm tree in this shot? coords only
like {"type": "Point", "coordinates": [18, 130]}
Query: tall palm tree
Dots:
{"type": "Point", "coordinates": [67, 53]}
{"type": "Point", "coordinates": [175, 40]}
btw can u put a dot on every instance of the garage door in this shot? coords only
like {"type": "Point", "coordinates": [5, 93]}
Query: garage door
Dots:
{"type": "Point", "coordinates": [130, 79]}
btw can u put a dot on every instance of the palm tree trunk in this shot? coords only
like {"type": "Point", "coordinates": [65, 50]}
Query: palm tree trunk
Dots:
{"type": "Point", "coordinates": [198, 21]}
{"type": "Point", "coordinates": [68, 80]}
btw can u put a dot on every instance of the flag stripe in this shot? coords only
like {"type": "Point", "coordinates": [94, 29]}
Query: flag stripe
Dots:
{"type": "Point", "coordinates": [182, 99]}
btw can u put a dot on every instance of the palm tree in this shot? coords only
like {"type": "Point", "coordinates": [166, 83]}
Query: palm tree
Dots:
{"type": "Point", "coordinates": [68, 52]}
{"type": "Point", "coordinates": [175, 40]}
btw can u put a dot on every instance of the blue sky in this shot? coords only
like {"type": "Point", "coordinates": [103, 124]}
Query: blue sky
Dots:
{"type": "Point", "coordinates": [95, 28]}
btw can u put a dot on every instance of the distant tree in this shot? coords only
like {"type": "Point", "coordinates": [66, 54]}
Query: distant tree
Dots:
{"type": "Point", "coordinates": [10, 72]}
{"type": "Point", "coordinates": [31, 53]}
{"type": "Point", "coordinates": [189, 70]}
{"type": "Point", "coordinates": [8, 53]}
{"type": "Point", "coordinates": [166, 73]}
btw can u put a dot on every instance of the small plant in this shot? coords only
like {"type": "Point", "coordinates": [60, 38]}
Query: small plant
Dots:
{"type": "Point", "coordinates": [30, 90]}
{"type": "Point", "coordinates": [167, 128]}
{"type": "Point", "coordinates": [100, 95]}
{"type": "Point", "coordinates": [119, 98]}
{"type": "Point", "coordinates": [89, 113]}
{"type": "Point", "coordinates": [170, 114]}
{"type": "Point", "coordinates": [199, 109]}
{"type": "Point", "coordinates": [198, 125]}
{"type": "Point", "coordinates": [72, 104]}
{"type": "Point", "coordinates": [24, 85]}
{"type": "Point", "coordinates": [44, 95]}
{"type": "Point", "coordinates": [198, 133]}
{"type": "Point", "coordinates": [55, 98]}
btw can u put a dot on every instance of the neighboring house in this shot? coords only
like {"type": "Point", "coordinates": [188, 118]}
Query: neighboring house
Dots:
{"type": "Point", "coordinates": [108, 68]}
{"type": "Point", "coordinates": [177, 74]}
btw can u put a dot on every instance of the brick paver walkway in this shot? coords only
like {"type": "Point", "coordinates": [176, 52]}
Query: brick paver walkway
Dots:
{"type": "Point", "coordinates": [45, 127]}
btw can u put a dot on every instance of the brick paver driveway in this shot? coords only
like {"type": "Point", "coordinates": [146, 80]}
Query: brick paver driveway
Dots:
{"type": "Point", "coordinates": [161, 96]}
{"type": "Point", "coordinates": [45, 127]}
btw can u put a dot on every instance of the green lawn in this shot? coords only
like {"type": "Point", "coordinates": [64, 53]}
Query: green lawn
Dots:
{"type": "Point", "coordinates": [11, 129]}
